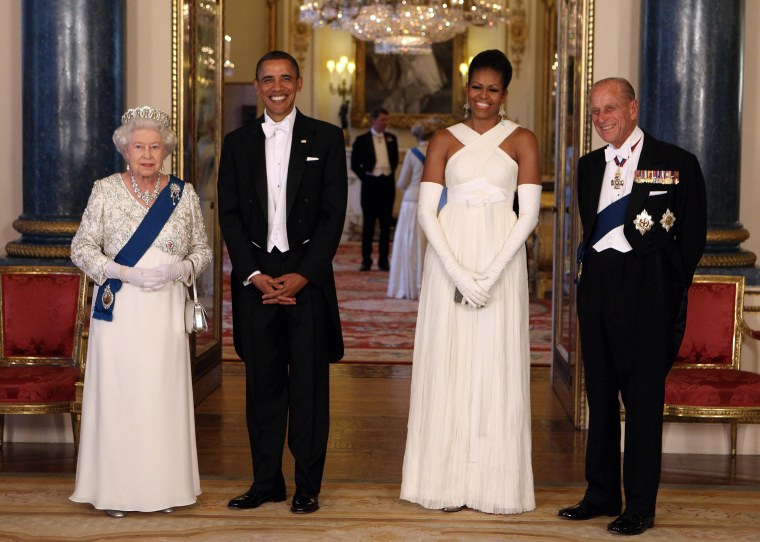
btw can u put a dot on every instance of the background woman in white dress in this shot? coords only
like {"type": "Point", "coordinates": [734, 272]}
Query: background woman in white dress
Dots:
{"type": "Point", "coordinates": [469, 439]}
{"type": "Point", "coordinates": [408, 242]}
{"type": "Point", "coordinates": [137, 449]}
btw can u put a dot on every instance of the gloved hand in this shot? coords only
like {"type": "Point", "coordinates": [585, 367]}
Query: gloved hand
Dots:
{"type": "Point", "coordinates": [529, 197]}
{"type": "Point", "coordinates": [166, 273]}
{"type": "Point", "coordinates": [137, 276]}
{"type": "Point", "coordinates": [464, 279]}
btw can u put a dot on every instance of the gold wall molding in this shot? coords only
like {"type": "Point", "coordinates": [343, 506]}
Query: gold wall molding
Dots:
{"type": "Point", "coordinates": [300, 37]}
{"type": "Point", "coordinates": [518, 34]}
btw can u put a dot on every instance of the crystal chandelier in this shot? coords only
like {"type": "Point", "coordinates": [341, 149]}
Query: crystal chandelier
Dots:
{"type": "Point", "coordinates": [403, 26]}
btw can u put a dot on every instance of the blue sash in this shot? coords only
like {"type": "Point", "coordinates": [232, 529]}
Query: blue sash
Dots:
{"type": "Point", "coordinates": [138, 245]}
{"type": "Point", "coordinates": [418, 153]}
{"type": "Point", "coordinates": [609, 218]}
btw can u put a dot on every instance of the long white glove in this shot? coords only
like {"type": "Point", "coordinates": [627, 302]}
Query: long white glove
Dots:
{"type": "Point", "coordinates": [529, 197]}
{"type": "Point", "coordinates": [464, 279]}
{"type": "Point", "coordinates": [138, 276]}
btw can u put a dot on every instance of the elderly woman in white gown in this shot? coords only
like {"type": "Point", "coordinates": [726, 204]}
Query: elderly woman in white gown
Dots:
{"type": "Point", "coordinates": [408, 240]}
{"type": "Point", "coordinates": [140, 239]}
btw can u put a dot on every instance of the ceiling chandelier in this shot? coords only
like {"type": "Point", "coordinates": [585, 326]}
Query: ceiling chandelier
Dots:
{"type": "Point", "coordinates": [403, 26]}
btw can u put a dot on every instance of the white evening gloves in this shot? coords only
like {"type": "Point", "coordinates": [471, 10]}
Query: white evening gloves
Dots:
{"type": "Point", "coordinates": [150, 279]}
{"type": "Point", "coordinates": [529, 198]}
{"type": "Point", "coordinates": [464, 279]}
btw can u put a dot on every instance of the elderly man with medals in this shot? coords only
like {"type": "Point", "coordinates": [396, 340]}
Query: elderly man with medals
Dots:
{"type": "Point", "coordinates": [643, 211]}
{"type": "Point", "coordinates": [140, 240]}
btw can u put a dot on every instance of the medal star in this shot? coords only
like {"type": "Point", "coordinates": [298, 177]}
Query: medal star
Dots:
{"type": "Point", "coordinates": [643, 222]}
{"type": "Point", "coordinates": [667, 220]}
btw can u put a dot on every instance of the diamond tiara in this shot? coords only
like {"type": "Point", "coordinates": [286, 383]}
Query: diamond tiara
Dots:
{"type": "Point", "coordinates": [145, 112]}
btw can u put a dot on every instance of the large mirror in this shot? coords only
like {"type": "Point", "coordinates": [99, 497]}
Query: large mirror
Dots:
{"type": "Point", "coordinates": [573, 139]}
{"type": "Point", "coordinates": [196, 109]}
{"type": "Point", "coordinates": [410, 87]}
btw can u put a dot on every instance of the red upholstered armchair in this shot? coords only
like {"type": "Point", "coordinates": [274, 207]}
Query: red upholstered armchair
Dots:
{"type": "Point", "coordinates": [706, 383]}
{"type": "Point", "coordinates": [42, 320]}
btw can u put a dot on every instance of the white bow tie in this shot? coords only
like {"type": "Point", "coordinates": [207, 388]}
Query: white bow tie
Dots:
{"type": "Point", "coordinates": [271, 128]}
{"type": "Point", "coordinates": [610, 153]}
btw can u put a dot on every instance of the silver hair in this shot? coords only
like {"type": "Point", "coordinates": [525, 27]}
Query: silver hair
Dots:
{"type": "Point", "coordinates": [123, 134]}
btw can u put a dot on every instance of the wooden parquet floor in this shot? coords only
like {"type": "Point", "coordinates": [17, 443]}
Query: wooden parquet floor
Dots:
{"type": "Point", "coordinates": [702, 497]}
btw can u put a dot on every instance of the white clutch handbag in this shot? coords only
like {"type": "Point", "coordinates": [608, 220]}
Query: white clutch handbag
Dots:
{"type": "Point", "coordinates": [195, 314]}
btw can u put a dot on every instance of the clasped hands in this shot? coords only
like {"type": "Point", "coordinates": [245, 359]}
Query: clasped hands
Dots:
{"type": "Point", "coordinates": [280, 290]}
{"type": "Point", "coordinates": [474, 287]}
{"type": "Point", "coordinates": [153, 278]}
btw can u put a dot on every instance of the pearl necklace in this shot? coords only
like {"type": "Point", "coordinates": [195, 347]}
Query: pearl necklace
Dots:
{"type": "Point", "coordinates": [146, 196]}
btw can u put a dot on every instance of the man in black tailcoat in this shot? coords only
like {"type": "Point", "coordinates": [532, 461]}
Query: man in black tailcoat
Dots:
{"type": "Point", "coordinates": [282, 203]}
{"type": "Point", "coordinates": [374, 158]}
{"type": "Point", "coordinates": [643, 211]}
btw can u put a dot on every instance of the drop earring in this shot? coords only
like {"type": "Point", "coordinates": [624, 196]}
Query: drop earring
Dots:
{"type": "Point", "coordinates": [466, 109]}
{"type": "Point", "coordinates": [502, 113]}
{"type": "Point", "coordinates": [128, 168]}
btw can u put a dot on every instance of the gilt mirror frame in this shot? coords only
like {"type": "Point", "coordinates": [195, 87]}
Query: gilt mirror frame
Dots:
{"type": "Point", "coordinates": [573, 139]}
{"type": "Point", "coordinates": [197, 81]}
{"type": "Point", "coordinates": [360, 108]}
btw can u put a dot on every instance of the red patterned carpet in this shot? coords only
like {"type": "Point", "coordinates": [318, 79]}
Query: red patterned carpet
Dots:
{"type": "Point", "coordinates": [377, 329]}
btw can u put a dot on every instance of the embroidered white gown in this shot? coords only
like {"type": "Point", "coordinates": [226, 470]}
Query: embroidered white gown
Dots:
{"type": "Point", "coordinates": [469, 436]}
{"type": "Point", "coordinates": [137, 446]}
{"type": "Point", "coordinates": [405, 277]}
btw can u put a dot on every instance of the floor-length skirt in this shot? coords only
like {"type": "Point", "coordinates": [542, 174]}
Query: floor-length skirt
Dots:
{"type": "Point", "coordinates": [469, 437]}
{"type": "Point", "coordinates": [405, 276]}
{"type": "Point", "coordinates": [137, 447]}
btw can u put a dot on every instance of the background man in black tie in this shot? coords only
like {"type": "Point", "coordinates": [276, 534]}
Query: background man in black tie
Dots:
{"type": "Point", "coordinates": [642, 207]}
{"type": "Point", "coordinates": [374, 158]}
{"type": "Point", "coordinates": [282, 203]}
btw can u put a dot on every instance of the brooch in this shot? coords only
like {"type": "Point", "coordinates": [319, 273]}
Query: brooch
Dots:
{"type": "Point", "coordinates": [653, 176]}
{"type": "Point", "coordinates": [643, 222]}
{"type": "Point", "coordinates": [667, 220]}
{"type": "Point", "coordinates": [107, 297]}
{"type": "Point", "coordinates": [174, 193]}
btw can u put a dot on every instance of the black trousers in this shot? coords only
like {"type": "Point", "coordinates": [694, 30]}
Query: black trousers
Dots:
{"type": "Point", "coordinates": [377, 196]}
{"type": "Point", "coordinates": [287, 380]}
{"type": "Point", "coordinates": [626, 323]}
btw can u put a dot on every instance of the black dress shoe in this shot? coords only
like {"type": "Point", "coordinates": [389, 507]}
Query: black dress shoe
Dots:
{"type": "Point", "coordinates": [364, 267]}
{"type": "Point", "coordinates": [303, 503]}
{"type": "Point", "coordinates": [586, 510]}
{"type": "Point", "coordinates": [631, 524]}
{"type": "Point", "coordinates": [384, 267]}
{"type": "Point", "coordinates": [254, 499]}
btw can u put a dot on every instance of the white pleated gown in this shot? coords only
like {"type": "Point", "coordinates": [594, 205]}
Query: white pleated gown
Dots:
{"type": "Point", "coordinates": [469, 436]}
{"type": "Point", "coordinates": [137, 449]}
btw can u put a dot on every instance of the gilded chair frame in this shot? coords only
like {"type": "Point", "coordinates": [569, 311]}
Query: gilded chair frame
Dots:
{"type": "Point", "coordinates": [734, 415]}
{"type": "Point", "coordinates": [77, 358]}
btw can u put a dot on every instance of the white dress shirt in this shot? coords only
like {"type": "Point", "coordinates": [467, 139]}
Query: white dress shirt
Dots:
{"type": "Point", "coordinates": [382, 162]}
{"type": "Point", "coordinates": [277, 148]}
{"type": "Point", "coordinates": [615, 239]}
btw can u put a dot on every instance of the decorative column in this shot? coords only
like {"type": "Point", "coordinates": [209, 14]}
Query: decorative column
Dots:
{"type": "Point", "coordinates": [72, 102]}
{"type": "Point", "coordinates": [691, 95]}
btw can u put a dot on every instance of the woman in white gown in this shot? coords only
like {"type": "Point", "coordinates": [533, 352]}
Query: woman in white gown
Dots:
{"type": "Point", "coordinates": [137, 448]}
{"type": "Point", "coordinates": [408, 242]}
{"type": "Point", "coordinates": [469, 438]}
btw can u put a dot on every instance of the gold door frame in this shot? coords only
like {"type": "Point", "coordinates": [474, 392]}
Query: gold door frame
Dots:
{"type": "Point", "coordinates": [197, 79]}
{"type": "Point", "coordinates": [573, 139]}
